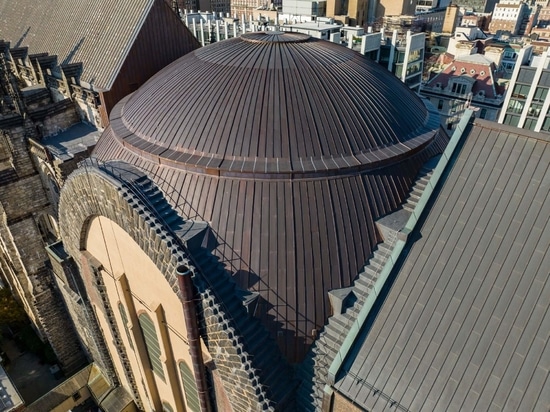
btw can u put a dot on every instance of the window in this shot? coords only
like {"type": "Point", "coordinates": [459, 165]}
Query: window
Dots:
{"type": "Point", "coordinates": [521, 91]}
{"type": "Point", "coordinates": [511, 120]}
{"type": "Point", "coordinates": [440, 104]}
{"type": "Point", "coordinates": [458, 88]}
{"type": "Point", "coordinates": [534, 110]}
{"type": "Point", "coordinates": [540, 94]}
{"type": "Point", "coordinates": [483, 113]}
{"type": "Point", "coordinates": [166, 407]}
{"type": "Point", "coordinates": [530, 124]}
{"type": "Point", "coordinates": [125, 323]}
{"type": "Point", "coordinates": [152, 344]}
{"type": "Point", "coordinates": [515, 106]}
{"type": "Point", "coordinates": [189, 387]}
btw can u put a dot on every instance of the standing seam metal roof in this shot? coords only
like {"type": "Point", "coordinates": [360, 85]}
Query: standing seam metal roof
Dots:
{"type": "Point", "coordinates": [265, 93]}
{"type": "Point", "coordinates": [97, 33]}
{"type": "Point", "coordinates": [465, 325]}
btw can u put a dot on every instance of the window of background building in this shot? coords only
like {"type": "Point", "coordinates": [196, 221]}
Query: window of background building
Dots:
{"type": "Point", "coordinates": [534, 110]}
{"type": "Point", "coordinates": [540, 94]}
{"type": "Point", "coordinates": [515, 106]}
{"type": "Point", "coordinates": [440, 104]}
{"type": "Point", "coordinates": [189, 387]}
{"type": "Point", "coordinates": [152, 344]}
{"type": "Point", "coordinates": [511, 120]}
{"type": "Point", "coordinates": [530, 124]}
{"type": "Point", "coordinates": [521, 91]}
{"type": "Point", "coordinates": [458, 88]}
{"type": "Point", "coordinates": [483, 113]}
{"type": "Point", "coordinates": [546, 124]}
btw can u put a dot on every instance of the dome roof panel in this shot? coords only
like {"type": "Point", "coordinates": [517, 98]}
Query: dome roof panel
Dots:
{"type": "Point", "coordinates": [278, 97]}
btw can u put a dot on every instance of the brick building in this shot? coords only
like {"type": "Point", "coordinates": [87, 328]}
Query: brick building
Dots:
{"type": "Point", "coordinates": [468, 81]}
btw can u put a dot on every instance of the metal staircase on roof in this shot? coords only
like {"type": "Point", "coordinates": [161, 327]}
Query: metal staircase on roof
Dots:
{"type": "Point", "coordinates": [313, 371]}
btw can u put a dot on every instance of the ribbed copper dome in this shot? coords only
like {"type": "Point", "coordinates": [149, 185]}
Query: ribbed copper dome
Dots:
{"type": "Point", "coordinates": [290, 147]}
{"type": "Point", "coordinates": [283, 102]}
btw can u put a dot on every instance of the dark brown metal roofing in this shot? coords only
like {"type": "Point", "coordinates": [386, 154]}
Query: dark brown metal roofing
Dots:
{"type": "Point", "coordinates": [466, 323]}
{"type": "Point", "coordinates": [283, 102]}
{"type": "Point", "coordinates": [289, 148]}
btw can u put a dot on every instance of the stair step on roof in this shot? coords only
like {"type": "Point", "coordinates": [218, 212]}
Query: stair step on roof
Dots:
{"type": "Point", "coordinates": [364, 284]}
{"type": "Point", "coordinates": [343, 321]}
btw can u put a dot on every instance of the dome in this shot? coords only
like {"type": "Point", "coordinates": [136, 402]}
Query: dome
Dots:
{"type": "Point", "coordinates": [290, 147]}
{"type": "Point", "coordinates": [282, 102]}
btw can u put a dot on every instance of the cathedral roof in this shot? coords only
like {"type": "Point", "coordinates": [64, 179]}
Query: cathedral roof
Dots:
{"type": "Point", "coordinates": [273, 102]}
{"type": "Point", "coordinates": [98, 34]}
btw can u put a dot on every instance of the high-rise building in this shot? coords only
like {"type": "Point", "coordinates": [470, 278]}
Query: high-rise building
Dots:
{"type": "Point", "coordinates": [509, 17]}
{"type": "Point", "coordinates": [526, 104]}
{"type": "Point", "coordinates": [395, 8]}
{"type": "Point", "coordinates": [352, 12]}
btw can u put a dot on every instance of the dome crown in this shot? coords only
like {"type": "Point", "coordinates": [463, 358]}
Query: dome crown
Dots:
{"type": "Point", "coordinates": [283, 103]}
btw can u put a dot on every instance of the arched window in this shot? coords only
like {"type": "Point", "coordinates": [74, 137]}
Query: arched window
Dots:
{"type": "Point", "coordinates": [166, 407]}
{"type": "Point", "coordinates": [125, 323]}
{"type": "Point", "coordinates": [151, 343]}
{"type": "Point", "coordinates": [190, 388]}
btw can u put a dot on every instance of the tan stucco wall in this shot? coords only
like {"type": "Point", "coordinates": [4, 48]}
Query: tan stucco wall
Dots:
{"type": "Point", "coordinates": [150, 293]}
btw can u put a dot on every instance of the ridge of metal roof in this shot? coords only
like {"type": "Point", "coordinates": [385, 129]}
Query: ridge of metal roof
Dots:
{"type": "Point", "coordinates": [439, 170]}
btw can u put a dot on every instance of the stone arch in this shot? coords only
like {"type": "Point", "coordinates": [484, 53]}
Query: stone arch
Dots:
{"type": "Point", "coordinates": [100, 194]}
{"type": "Point", "coordinates": [48, 227]}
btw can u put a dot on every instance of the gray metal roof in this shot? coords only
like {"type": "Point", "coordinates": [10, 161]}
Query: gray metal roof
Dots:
{"type": "Point", "coordinates": [97, 33]}
{"type": "Point", "coordinates": [79, 138]}
{"type": "Point", "coordinates": [466, 324]}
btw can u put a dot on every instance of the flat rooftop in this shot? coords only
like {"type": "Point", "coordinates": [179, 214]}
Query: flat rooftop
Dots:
{"type": "Point", "coordinates": [78, 138]}
{"type": "Point", "coordinates": [9, 397]}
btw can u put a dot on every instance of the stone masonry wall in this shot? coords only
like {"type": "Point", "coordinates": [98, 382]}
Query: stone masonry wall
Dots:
{"type": "Point", "coordinates": [14, 139]}
{"type": "Point", "coordinates": [23, 197]}
{"type": "Point", "coordinates": [24, 259]}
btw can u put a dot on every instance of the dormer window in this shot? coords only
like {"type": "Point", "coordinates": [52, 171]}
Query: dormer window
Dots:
{"type": "Point", "coordinates": [459, 88]}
